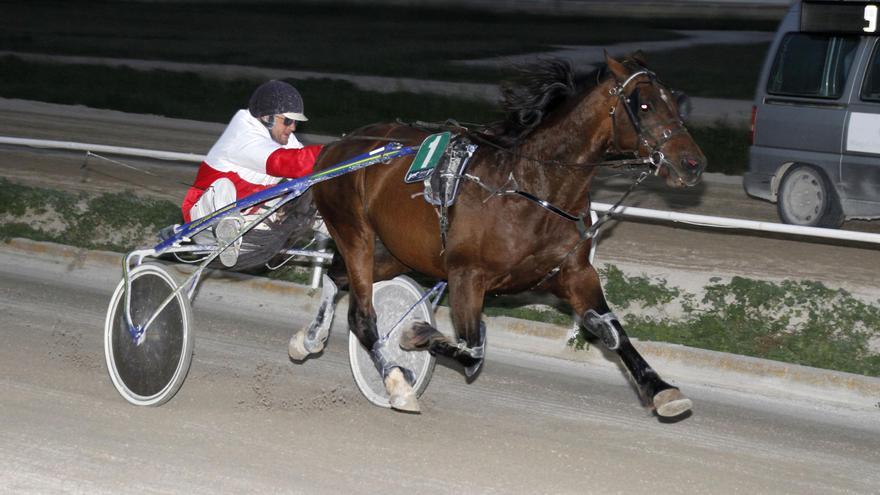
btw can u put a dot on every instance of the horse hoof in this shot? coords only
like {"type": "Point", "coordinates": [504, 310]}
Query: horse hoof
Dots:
{"type": "Point", "coordinates": [297, 350]}
{"type": "Point", "coordinates": [472, 370]}
{"type": "Point", "coordinates": [671, 402]}
{"type": "Point", "coordinates": [405, 402]}
{"type": "Point", "coordinates": [400, 393]}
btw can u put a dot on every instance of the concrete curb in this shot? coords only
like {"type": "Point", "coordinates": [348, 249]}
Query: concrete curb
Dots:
{"type": "Point", "coordinates": [680, 364]}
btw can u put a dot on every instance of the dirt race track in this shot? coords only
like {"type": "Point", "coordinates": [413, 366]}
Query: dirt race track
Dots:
{"type": "Point", "coordinates": [249, 420]}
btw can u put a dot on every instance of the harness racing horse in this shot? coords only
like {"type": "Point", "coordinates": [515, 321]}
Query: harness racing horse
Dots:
{"type": "Point", "coordinates": [557, 131]}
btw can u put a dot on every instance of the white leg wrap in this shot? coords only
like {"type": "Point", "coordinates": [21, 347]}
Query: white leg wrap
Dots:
{"type": "Point", "coordinates": [603, 327]}
{"type": "Point", "coordinates": [311, 340]}
{"type": "Point", "coordinates": [319, 329]}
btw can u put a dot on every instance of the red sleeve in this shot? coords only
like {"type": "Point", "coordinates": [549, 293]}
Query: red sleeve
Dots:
{"type": "Point", "coordinates": [292, 163]}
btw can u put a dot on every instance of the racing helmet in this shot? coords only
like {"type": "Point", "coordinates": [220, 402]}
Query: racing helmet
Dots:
{"type": "Point", "coordinates": [277, 98]}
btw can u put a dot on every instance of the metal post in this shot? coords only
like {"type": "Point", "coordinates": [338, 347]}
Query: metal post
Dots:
{"type": "Point", "coordinates": [321, 242]}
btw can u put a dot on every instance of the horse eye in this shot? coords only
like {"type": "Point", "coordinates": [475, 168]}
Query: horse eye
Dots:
{"type": "Point", "coordinates": [644, 107]}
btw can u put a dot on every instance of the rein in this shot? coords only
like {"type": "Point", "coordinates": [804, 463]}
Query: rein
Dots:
{"type": "Point", "coordinates": [651, 160]}
{"type": "Point", "coordinates": [592, 232]}
{"type": "Point", "coordinates": [454, 126]}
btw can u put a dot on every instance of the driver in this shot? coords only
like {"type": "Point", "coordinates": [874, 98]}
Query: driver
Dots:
{"type": "Point", "coordinates": [257, 149]}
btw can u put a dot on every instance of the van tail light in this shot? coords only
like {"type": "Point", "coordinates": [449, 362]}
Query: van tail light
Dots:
{"type": "Point", "coordinates": [752, 126]}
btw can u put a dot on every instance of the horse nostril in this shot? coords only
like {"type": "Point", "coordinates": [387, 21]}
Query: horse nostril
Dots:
{"type": "Point", "coordinates": [691, 163]}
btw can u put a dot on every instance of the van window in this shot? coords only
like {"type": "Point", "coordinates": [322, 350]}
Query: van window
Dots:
{"type": "Point", "coordinates": [871, 90]}
{"type": "Point", "coordinates": [812, 65]}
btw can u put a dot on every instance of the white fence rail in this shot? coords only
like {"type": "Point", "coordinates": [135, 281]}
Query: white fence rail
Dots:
{"type": "Point", "coordinates": [100, 148]}
{"type": "Point", "coordinates": [624, 211]}
{"type": "Point", "coordinates": [736, 223]}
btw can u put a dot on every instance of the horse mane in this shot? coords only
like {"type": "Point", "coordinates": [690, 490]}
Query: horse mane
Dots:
{"type": "Point", "coordinates": [536, 91]}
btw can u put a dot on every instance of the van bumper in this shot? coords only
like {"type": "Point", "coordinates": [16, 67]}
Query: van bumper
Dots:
{"type": "Point", "coordinates": [758, 181]}
{"type": "Point", "coordinates": [758, 185]}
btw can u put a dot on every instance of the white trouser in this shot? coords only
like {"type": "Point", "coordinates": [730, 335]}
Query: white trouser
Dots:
{"type": "Point", "coordinates": [220, 193]}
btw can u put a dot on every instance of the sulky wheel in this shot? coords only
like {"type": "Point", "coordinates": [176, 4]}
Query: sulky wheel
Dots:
{"type": "Point", "coordinates": [149, 373]}
{"type": "Point", "coordinates": [391, 300]}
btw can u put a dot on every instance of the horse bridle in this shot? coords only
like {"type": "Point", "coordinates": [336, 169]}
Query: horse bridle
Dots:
{"type": "Point", "coordinates": [655, 157]}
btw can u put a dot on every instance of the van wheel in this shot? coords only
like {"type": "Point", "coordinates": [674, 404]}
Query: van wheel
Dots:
{"type": "Point", "coordinates": [807, 198]}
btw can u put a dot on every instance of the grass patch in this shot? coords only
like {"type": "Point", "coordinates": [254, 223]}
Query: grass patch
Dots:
{"type": "Point", "coordinates": [116, 222]}
{"type": "Point", "coordinates": [622, 291]}
{"type": "Point", "coordinates": [298, 274]}
{"type": "Point", "coordinates": [793, 321]}
{"type": "Point", "coordinates": [799, 322]}
{"type": "Point", "coordinates": [112, 221]}
{"type": "Point", "coordinates": [545, 314]}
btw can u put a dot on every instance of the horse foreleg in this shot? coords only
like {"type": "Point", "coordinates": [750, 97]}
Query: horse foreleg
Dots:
{"type": "Point", "coordinates": [466, 294]}
{"type": "Point", "coordinates": [667, 400]}
{"type": "Point", "coordinates": [584, 292]}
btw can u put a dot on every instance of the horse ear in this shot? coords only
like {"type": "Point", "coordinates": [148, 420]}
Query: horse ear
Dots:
{"type": "Point", "coordinates": [616, 67]}
{"type": "Point", "coordinates": [640, 58]}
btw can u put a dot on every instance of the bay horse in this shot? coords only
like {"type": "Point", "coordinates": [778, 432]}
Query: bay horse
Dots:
{"type": "Point", "coordinates": [558, 129]}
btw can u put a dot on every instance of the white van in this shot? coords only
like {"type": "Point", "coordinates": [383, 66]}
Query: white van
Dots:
{"type": "Point", "coordinates": [816, 116]}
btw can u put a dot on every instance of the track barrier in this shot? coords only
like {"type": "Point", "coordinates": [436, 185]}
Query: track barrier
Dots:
{"type": "Point", "coordinates": [623, 211]}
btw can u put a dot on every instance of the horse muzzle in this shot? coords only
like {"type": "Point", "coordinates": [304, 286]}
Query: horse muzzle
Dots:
{"type": "Point", "coordinates": [686, 173]}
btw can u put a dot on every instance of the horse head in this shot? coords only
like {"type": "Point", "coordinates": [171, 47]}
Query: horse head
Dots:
{"type": "Point", "coordinates": [647, 120]}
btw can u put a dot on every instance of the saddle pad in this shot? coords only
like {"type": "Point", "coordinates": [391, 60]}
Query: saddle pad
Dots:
{"type": "Point", "coordinates": [441, 188]}
{"type": "Point", "coordinates": [429, 154]}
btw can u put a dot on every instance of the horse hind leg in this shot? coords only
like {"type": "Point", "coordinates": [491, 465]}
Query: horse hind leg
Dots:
{"type": "Point", "coordinates": [667, 401]}
{"type": "Point", "coordinates": [361, 269]}
{"type": "Point", "coordinates": [311, 339]}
